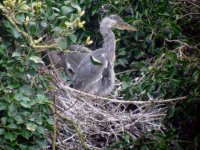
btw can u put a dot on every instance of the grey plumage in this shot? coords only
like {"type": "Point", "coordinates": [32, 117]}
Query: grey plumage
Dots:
{"type": "Point", "coordinates": [99, 79]}
{"type": "Point", "coordinates": [73, 59]}
{"type": "Point", "coordinates": [86, 76]}
{"type": "Point", "coordinates": [69, 61]}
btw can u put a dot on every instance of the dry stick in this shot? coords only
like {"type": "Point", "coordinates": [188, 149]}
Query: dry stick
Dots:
{"type": "Point", "coordinates": [75, 125]}
{"type": "Point", "coordinates": [39, 48]}
{"type": "Point", "coordinates": [189, 1]}
{"type": "Point", "coordinates": [127, 71]}
{"type": "Point", "coordinates": [128, 101]}
{"type": "Point", "coordinates": [187, 15]}
{"type": "Point", "coordinates": [54, 129]}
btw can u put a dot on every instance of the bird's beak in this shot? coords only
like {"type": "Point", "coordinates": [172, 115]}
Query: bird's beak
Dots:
{"type": "Point", "coordinates": [126, 26]}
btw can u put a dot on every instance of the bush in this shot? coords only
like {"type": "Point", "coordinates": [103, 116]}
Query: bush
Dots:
{"type": "Point", "coordinates": [161, 60]}
{"type": "Point", "coordinates": [25, 29]}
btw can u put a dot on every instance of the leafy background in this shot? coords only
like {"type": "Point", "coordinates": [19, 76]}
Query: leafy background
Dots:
{"type": "Point", "coordinates": [163, 55]}
{"type": "Point", "coordinates": [24, 114]}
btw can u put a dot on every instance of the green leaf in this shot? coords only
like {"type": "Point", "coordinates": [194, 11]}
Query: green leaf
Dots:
{"type": "Point", "coordinates": [20, 17]}
{"type": "Point", "coordinates": [33, 28]}
{"type": "Point", "coordinates": [139, 54]}
{"type": "Point", "coordinates": [11, 136]}
{"type": "Point", "coordinates": [2, 131]}
{"type": "Point", "coordinates": [73, 38]}
{"type": "Point", "coordinates": [44, 24]}
{"type": "Point", "coordinates": [12, 108]}
{"type": "Point", "coordinates": [42, 99]}
{"type": "Point", "coordinates": [26, 90]}
{"type": "Point", "coordinates": [50, 121]}
{"type": "Point", "coordinates": [19, 119]}
{"type": "Point", "coordinates": [16, 54]}
{"type": "Point", "coordinates": [11, 29]}
{"type": "Point", "coordinates": [76, 6]}
{"type": "Point", "coordinates": [95, 61]}
{"type": "Point", "coordinates": [171, 111]}
{"type": "Point", "coordinates": [41, 130]}
{"type": "Point", "coordinates": [63, 43]}
{"type": "Point", "coordinates": [26, 104]}
{"type": "Point", "coordinates": [12, 126]}
{"type": "Point", "coordinates": [36, 59]}
{"type": "Point", "coordinates": [3, 106]}
{"type": "Point", "coordinates": [26, 134]}
{"type": "Point", "coordinates": [4, 120]}
{"type": "Point", "coordinates": [65, 10]}
{"type": "Point", "coordinates": [56, 9]}
{"type": "Point", "coordinates": [31, 126]}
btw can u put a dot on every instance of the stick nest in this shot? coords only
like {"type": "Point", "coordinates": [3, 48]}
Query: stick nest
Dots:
{"type": "Point", "coordinates": [85, 121]}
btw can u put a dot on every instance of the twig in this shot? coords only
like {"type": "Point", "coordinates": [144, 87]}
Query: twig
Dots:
{"type": "Point", "coordinates": [75, 125]}
{"type": "Point", "coordinates": [128, 101]}
{"type": "Point", "coordinates": [187, 15]}
{"type": "Point", "coordinates": [39, 48]}
{"type": "Point", "coordinates": [127, 71]}
{"type": "Point", "coordinates": [189, 1]}
{"type": "Point", "coordinates": [54, 129]}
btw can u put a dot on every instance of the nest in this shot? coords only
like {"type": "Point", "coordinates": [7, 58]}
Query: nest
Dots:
{"type": "Point", "coordinates": [85, 121]}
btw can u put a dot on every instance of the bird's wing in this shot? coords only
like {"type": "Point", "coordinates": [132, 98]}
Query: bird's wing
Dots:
{"type": "Point", "coordinates": [87, 72]}
{"type": "Point", "coordinates": [79, 48]}
{"type": "Point", "coordinates": [56, 58]}
{"type": "Point", "coordinates": [69, 61]}
{"type": "Point", "coordinates": [78, 53]}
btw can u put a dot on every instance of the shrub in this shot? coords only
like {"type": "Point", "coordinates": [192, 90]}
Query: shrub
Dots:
{"type": "Point", "coordinates": [25, 28]}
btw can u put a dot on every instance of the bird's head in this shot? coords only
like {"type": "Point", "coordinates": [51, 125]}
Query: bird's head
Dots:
{"type": "Point", "coordinates": [114, 21]}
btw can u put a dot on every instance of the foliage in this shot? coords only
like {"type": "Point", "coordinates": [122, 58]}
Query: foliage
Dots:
{"type": "Point", "coordinates": [161, 60]}
{"type": "Point", "coordinates": [26, 27]}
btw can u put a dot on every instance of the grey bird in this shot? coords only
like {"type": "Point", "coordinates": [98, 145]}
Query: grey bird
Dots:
{"type": "Point", "coordinates": [69, 61]}
{"type": "Point", "coordinates": [99, 79]}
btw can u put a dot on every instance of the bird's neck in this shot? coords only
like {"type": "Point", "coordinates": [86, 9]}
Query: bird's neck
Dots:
{"type": "Point", "coordinates": [108, 42]}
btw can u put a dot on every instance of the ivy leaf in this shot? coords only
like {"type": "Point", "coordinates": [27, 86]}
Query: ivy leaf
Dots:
{"type": "Point", "coordinates": [20, 18]}
{"type": "Point", "coordinates": [31, 126]}
{"type": "Point", "coordinates": [26, 134]}
{"type": "Point", "coordinates": [11, 136]}
{"type": "Point", "coordinates": [171, 111]}
{"type": "Point", "coordinates": [95, 61]}
{"type": "Point", "coordinates": [2, 131]}
{"type": "Point", "coordinates": [3, 106]}
{"type": "Point", "coordinates": [12, 126]}
{"type": "Point", "coordinates": [19, 119]}
{"type": "Point", "coordinates": [73, 38]}
{"type": "Point", "coordinates": [66, 10]}
{"type": "Point", "coordinates": [56, 9]}
{"type": "Point", "coordinates": [12, 108]}
{"type": "Point", "coordinates": [76, 6]}
{"type": "Point", "coordinates": [63, 43]}
{"type": "Point", "coordinates": [43, 24]}
{"type": "Point", "coordinates": [28, 104]}
{"type": "Point", "coordinates": [33, 28]}
{"type": "Point", "coordinates": [41, 130]}
{"type": "Point", "coordinates": [16, 54]}
{"type": "Point", "coordinates": [11, 29]}
{"type": "Point", "coordinates": [36, 59]}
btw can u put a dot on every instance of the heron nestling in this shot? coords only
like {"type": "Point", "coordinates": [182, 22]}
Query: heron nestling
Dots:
{"type": "Point", "coordinates": [99, 79]}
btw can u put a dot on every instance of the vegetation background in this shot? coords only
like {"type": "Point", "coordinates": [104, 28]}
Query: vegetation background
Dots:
{"type": "Point", "coordinates": [164, 54]}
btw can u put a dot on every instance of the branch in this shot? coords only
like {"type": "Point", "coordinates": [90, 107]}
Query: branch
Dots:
{"type": "Point", "coordinates": [54, 129]}
{"type": "Point", "coordinates": [127, 71]}
{"type": "Point", "coordinates": [172, 100]}
{"type": "Point", "coordinates": [189, 1]}
{"type": "Point", "coordinates": [187, 15]}
{"type": "Point", "coordinates": [75, 125]}
{"type": "Point", "coordinates": [39, 48]}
